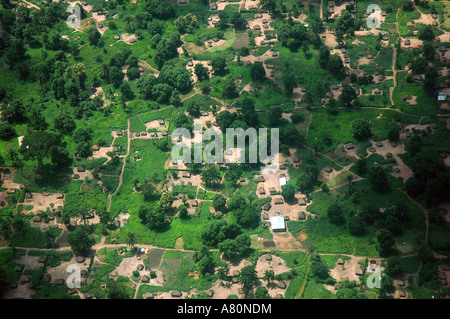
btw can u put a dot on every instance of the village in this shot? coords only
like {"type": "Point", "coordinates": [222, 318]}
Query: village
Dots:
{"type": "Point", "coordinates": [148, 215]}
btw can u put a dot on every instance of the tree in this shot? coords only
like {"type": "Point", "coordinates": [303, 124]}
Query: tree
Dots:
{"type": "Point", "coordinates": [369, 214]}
{"type": "Point", "coordinates": [15, 52]}
{"type": "Point", "coordinates": [219, 202]}
{"type": "Point", "coordinates": [347, 96]}
{"type": "Point", "coordinates": [407, 5]}
{"type": "Point", "coordinates": [247, 216]}
{"type": "Point", "coordinates": [215, 232]}
{"type": "Point", "coordinates": [229, 248]}
{"type": "Point", "coordinates": [426, 33]}
{"type": "Point", "coordinates": [237, 20]}
{"type": "Point", "coordinates": [13, 112]}
{"type": "Point", "coordinates": [65, 123]}
{"type": "Point", "coordinates": [428, 50]}
{"type": "Point", "coordinates": [269, 275]}
{"type": "Point", "coordinates": [133, 73]}
{"type": "Point", "coordinates": [223, 271]}
{"type": "Point", "coordinates": [166, 200]}
{"type": "Point", "coordinates": [206, 265]}
{"type": "Point", "coordinates": [193, 108]}
{"type": "Point", "coordinates": [210, 176]}
{"type": "Point", "coordinates": [37, 121]}
{"type": "Point", "coordinates": [248, 278]}
{"type": "Point", "coordinates": [38, 145]}
{"type": "Point", "coordinates": [243, 242]}
{"type": "Point", "coordinates": [187, 23]}
{"type": "Point", "coordinates": [335, 214]}
{"type": "Point", "coordinates": [334, 65]}
{"type": "Point", "coordinates": [275, 116]}
{"type": "Point", "coordinates": [361, 129]}
{"type": "Point", "coordinates": [348, 290]}
{"type": "Point", "coordinates": [331, 106]}
{"type": "Point", "coordinates": [183, 212]}
{"type": "Point", "coordinates": [115, 76]}
{"type": "Point", "coordinates": [356, 226]}
{"type": "Point", "coordinates": [257, 72]}
{"type": "Point", "coordinates": [60, 156]}
{"type": "Point", "coordinates": [324, 55]}
{"type": "Point", "coordinates": [387, 286]}
{"type": "Point", "coordinates": [93, 35]}
{"type": "Point", "coordinates": [419, 65]}
{"type": "Point", "coordinates": [145, 85]}
{"type": "Point", "coordinates": [224, 119]}
{"type": "Point", "coordinates": [385, 241]}
{"type": "Point", "coordinates": [393, 133]}
{"type": "Point", "coordinates": [6, 130]}
{"type": "Point", "coordinates": [262, 293]}
{"type": "Point", "coordinates": [430, 80]}
{"type": "Point", "coordinates": [181, 120]}
{"type": "Point", "coordinates": [289, 82]}
{"type": "Point", "coordinates": [319, 269]}
{"type": "Point", "coordinates": [201, 72]}
{"type": "Point", "coordinates": [378, 179]}
{"type": "Point", "coordinates": [175, 99]}
{"type": "Point", "coordinates": [131, 239]}
{"type": "Point", "coordinates": [155, 218]}
{"type": "Point", "coordinates": [104, 215]}
{"type": "Point", "coordinates": [126, 92]}
{"type": "Point", "coordinates": [81, 239]}
{"type": "Point", "coordinates": [288, 192]}
{"type": "Point", "coordinates": [236, 201]}
{"type": "Point", "coordinates": [116, 290]}
{"type": "Point", "coordinates": [393, 268]}
{"type": "Point", "coordinates": [229, 90]}
{"type": "Point", "coordinates": [49, 239]}
{"type": "Point", "coordinates": [305, 182]}
{"type": "Point", "coordinates": [219, 65]}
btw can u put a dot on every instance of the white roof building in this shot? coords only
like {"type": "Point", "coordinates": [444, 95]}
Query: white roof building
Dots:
{"type": "Point", "coordinates": [442, 97]}
{"type": "Point", "coordinates": [283, 180]}
{"type": "Point", "coordinates": [278, 224]}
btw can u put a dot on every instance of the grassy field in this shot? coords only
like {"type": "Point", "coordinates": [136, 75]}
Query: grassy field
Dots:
{"type": "Point", "coordinates": [426, 105]}
{"type": "Point", "coordinates": [322, 123]}
{"type": "Point", "coordinates": [329, 238]}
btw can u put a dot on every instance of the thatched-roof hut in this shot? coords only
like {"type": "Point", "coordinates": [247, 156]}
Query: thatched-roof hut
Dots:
{"type": "Point", "coordinates": [360, 270]}
{"type": "Point", "coordinates": [301, 216]}
{"type": "Point", "coordinates": [278, 201]}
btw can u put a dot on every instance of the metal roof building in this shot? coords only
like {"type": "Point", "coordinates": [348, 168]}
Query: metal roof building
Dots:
{"type": "Point", "coordinates": [278, 224]}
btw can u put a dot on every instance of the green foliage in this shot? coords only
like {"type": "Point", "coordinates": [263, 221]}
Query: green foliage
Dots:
{"type": "Point", "coordinates": [81, 239]}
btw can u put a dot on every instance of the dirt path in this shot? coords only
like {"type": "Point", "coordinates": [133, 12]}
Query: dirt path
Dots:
{"type": "Point", "coordinates": [108, 200]}
{"type": "Point", "coordinates": [394, 59]}
{"type": "Point", "coordinates": [321, 10]}
{"type": "Point", "coordinates": [148, 66]}
{"type": "Point", "coordinates": [305, 280]}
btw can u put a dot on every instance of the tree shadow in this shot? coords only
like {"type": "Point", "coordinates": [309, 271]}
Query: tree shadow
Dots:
{"type": "Point", "coordinates": [292, 201]}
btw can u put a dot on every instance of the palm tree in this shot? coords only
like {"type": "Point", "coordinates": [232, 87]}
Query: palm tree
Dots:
{"type": "Point", "coordinates": [14, 158]}
{"type": "Point", "coordinates": [48, 239]}
{"type": "Point", "coordinates": [223, 272]}
{"type": "Point", "coordinates": [128, 20]}
{"type": "Point", "coordinates": [131, 239]}
{"type": "Point", "coordinates": [83, 216]}
{"type": "Point", "coordinates": [269, 275]}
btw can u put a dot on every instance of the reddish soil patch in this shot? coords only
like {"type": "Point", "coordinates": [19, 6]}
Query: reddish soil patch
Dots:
{"type": "Point", "coordinates": [302, 236]}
